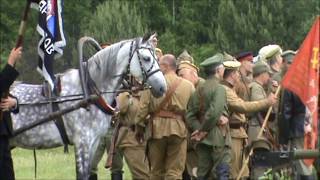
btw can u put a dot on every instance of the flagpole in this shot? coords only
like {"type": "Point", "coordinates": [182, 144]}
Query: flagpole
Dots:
{"type": "Point", "coordinates": [22, 29]}
{"type": "Point", "coordinates": [23, 24]}
{"type": "Point", "coordinates": [259, 136]}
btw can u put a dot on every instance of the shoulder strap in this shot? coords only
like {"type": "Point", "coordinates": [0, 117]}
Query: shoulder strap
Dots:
{"type": "Point", "coordinates": [169, 93]}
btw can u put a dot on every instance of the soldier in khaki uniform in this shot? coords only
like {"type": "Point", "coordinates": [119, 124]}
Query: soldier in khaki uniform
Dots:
{"type": "Point", "coordinates": [159, 53]}
{"type": "Point", "coordinates": [167, 144]}
{"type": "Point", "coordinates": [272, 55]}
{"type": "Point", "coordinates": [237, 120]}
{"type": "Point", "coordinates": [205, 117]}
{"type": "Point", "coordinates": [242, 86]}
{"type": "Point", "coordinates": [189, 71]}
{"type": "Point", "coordinates": [132, 150]}
{"type": "Point", "coordinates": [261, 75]}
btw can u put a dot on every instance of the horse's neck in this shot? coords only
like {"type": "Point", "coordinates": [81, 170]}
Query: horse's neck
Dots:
{"type": "Point", "coordinates": [105, 68]}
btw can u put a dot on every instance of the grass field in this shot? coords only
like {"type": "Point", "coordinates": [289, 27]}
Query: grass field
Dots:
{"type": "Point", "coordinates": [53, 164]}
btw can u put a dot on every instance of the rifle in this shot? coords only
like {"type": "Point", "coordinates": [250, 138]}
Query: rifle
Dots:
{"type": "Point", "coordinates": [114, 138]}
{"type": "Point", "coordinates": [259, 135]}
{"type": "Point", "coordinates": [276, 159]}
{"type": "Point", "coordinates": [267, 131]}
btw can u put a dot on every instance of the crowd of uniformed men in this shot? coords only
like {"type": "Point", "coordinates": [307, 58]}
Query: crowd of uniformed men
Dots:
{"type": "Point", "coordinates": [204, 128]}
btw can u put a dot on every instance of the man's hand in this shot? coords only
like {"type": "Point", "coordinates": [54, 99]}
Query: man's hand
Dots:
{"type": "Point", "coordinates": [283, 147]}
{"type": "Point", "coordinates": [8, 103]}
{"type": "Point", "coordinates": [15, 54]}
{"type": "Point", "coordinates": [140, 134]}
{"type": "Point", "coordinates": [272, 98]}
{"type": "Point", "coordinates": [198, 135]}
{"type": "Point", "coordinates": [274, 83]}
{"type": "Point", "coordinates": [223, 120]}
{"type": "Point", "coordinates": [307, 128]}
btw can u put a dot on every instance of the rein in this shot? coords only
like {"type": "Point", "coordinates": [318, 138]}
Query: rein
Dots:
{"type": "Point", "coordinates": [68, 98]}
{"type": "Point", "coordinates": [129, 87]}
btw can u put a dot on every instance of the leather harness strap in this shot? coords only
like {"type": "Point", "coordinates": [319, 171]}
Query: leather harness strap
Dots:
{"type": "Point", "coordinates": [164, 102]}
{"type": "Point", "coordinates": [169, 94]}
{"type": "Point", "coordinates": [169, 114]}
{"type": "Point", "coordinates": [101, 103]}
{"type": "Point", "coordinates": [62, 130]}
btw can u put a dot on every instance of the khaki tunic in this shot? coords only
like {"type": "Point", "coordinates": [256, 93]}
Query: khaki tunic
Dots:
{"type": "Point", "coordinates": [163, 127]}
{"type": "Point", "coordinates": [257, 93]}
{"type": "Point", "coordinates": [237, 107]}
{"type": "Point", "coordinates": [168, 142]}
{"type": "Point", "coordinates": [128, 107]}
{"type": "Point", "coordinates": [133, 151]}
{"type": "Point", "coordinates": [242, 88]}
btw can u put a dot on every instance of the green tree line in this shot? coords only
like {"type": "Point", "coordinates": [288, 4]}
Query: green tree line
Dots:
{"type": "Point", "coordinates": [203, 27]}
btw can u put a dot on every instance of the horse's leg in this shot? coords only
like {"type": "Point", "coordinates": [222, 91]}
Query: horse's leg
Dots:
{"type": "Point", "coordinates": [82, 159]}
{"type": "Point", "coordinates": [87, 157]}
{"type": "Point", "coordinates": [101, 148]}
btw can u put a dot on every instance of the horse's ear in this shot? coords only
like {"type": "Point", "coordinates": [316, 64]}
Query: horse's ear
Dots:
{"type": "Point", "coordinates": [148, 36]}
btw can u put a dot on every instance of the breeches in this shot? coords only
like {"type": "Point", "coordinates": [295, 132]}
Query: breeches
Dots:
{"type": "Point", "coordinates": [237, 158]}
{"type": "Point", "coordinates": [137, 163]}
{"type": "Point", "coordinates": [192, 162]}
{"type": "Point", "coordinates": [167, 157]}
{"type": "Point", "coordinates": [213, 162]}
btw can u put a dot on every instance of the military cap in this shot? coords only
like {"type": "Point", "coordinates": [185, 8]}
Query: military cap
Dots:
{"type": "Point", "coordinates": [214, 60]}
{"type": "Point", "coordinates": [288, 55]}
{"type": "Point", "coordinates": [245, 56]}
{"type": "Point", "coordinates": [187, 65]}
{"type": "Point", "coordinates": [231, 64]}
{"type": "Point", "coordinates": [185, 56]}
{"type": "Point", "coordinates": [270, 50]}
{"type": "Point", "coordinates": [260, 67]}
{"type": "Point", "coordinates": [158, 50]}
{"type": "Point", "coordinates": [228, 57]}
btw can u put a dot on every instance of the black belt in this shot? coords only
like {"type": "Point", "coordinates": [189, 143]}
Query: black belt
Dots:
{"type": "Point", "coordinates": [236, 125]}
{"type": "Point", "coordinates": [132, 128]}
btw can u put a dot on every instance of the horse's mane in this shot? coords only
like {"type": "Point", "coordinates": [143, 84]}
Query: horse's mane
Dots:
{"type": "Point", "coordinates": [102, 60]}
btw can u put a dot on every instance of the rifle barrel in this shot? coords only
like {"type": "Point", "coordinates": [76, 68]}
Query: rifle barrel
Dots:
{"type": "Point", "coordinates": [306, 154]}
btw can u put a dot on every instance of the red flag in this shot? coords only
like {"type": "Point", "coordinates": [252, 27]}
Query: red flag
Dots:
{"type": "Point", "coordinates": [302, 79]}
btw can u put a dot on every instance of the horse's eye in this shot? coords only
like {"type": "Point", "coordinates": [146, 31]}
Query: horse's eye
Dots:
{"type": "Point", "coordinates": [147, 58]}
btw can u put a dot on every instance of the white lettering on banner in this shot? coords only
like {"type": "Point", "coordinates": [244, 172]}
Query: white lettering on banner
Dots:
{"type": "Point", "coordinates": [48, 45]}
{"type": "Point", "coordinates": [43, 7]}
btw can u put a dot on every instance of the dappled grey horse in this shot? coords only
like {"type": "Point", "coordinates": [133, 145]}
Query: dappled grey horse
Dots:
{"type": "Point", "coordinates": [85, 127]}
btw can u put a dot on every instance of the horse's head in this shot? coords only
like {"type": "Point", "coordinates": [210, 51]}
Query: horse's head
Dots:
{"type": "Point", "coordinates": [144, 66]}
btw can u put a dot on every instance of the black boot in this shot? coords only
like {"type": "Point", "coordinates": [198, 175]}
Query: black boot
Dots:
{"type": "Point", "coordinates": [201, 178]}
{"type": "Point", "coordinates": [93, 176]}
{"type": "Point", "coordinates": [185, 175]}
{"type": "Point", "coordinates": [116, 176]}
{"type": "Point", "coordinates": [223, 171]}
